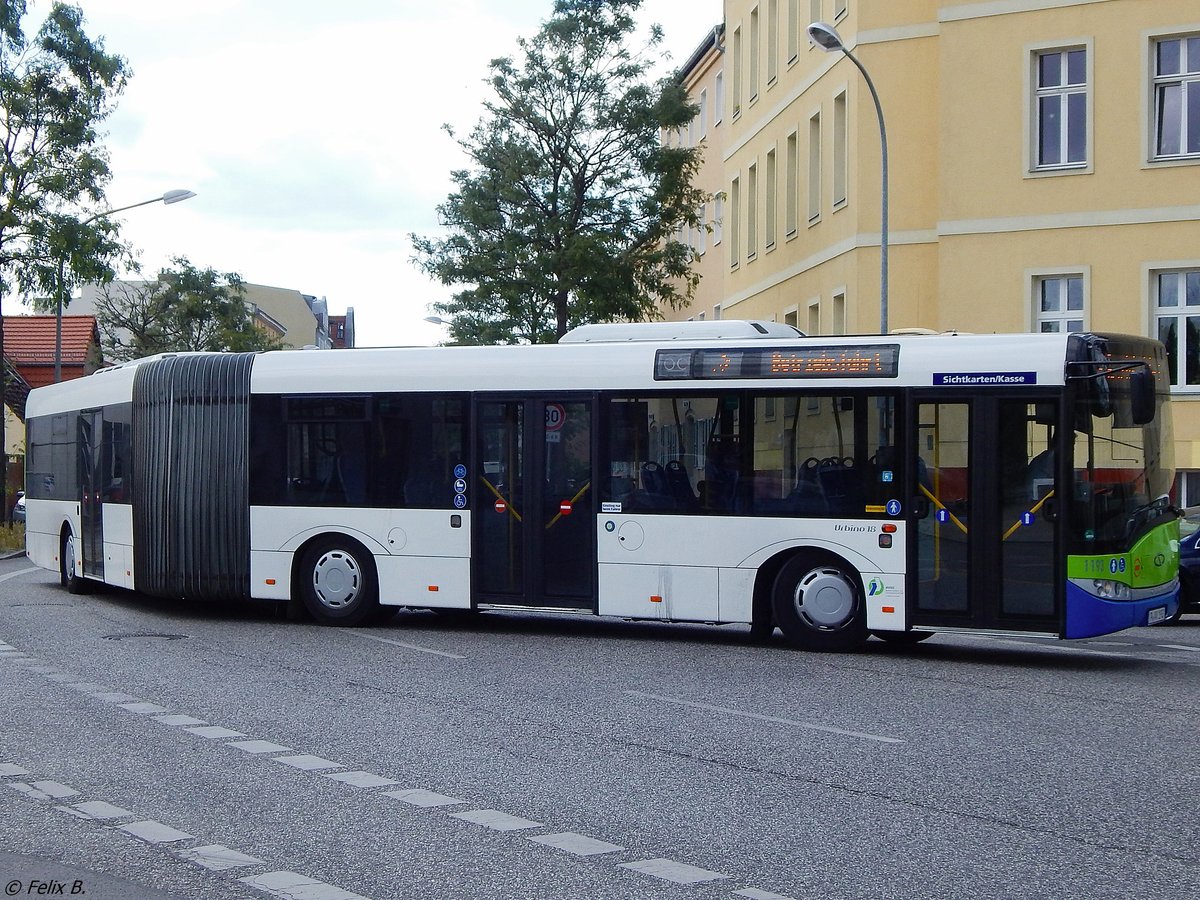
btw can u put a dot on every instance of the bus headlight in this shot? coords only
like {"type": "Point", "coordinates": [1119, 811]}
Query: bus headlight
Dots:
{"type": "Point", "coordinates": [1112, 590]}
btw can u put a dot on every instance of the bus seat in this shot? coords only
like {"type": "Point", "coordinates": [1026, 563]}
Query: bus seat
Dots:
{"type": "Point", "coordinates": [679, 485]}
{"type": "Point", "coordinates": [655, 492]}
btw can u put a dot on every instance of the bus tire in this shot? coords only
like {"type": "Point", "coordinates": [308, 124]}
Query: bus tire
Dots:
{"type": "Point", "coordinates": [818, 603]}
{"type": "Point", "coordinates": [66, 566]}
{"type": "Point", "coordinates": [337, 582]}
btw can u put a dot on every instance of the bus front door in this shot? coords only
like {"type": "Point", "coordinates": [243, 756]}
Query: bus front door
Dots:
{"type": "Point", "coordinates": [91, 519]}
{"type": "Point", "coordinates": [534, 536]}
{"type": "Point", "coordinates": [986, 514]}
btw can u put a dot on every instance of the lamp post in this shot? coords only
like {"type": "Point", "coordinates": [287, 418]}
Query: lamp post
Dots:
{"type": "Point", "coordinates": [169, 197]}
{"type": "Point", "coordinates": [826, 37]}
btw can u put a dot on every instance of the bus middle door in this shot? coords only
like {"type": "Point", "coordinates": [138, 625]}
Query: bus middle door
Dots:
{"type": "Point", "coordinates": [535, 539]}
{"type": "Point", "coordinates": [91, 484]}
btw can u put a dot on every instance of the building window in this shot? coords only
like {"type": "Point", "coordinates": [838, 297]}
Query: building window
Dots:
{"type": "Point", "coordinates": [837, 324]}
{"type": "Point", "coordinates": [735, 212]}
{"type": "Point", "coordinates": [792, 183]}
{"type": "Point", "coordinates": [814, 317]}
{"type": "Point", "coordinates": [719, 98]}
{"type": "Point", "coordinates": [718, 217]}
{"type": "Point", "coordinates": [840, 150]}
{"type": "Point", "coordinates": [1176, 298]}
{"type": "Point", "coordinates": [702, 231]}
{"type": "Point", "coordinates": [1187, 489]}
{"type": "Point", "coordinates": [793, 30]}
{"type": "Point", "coordinates": [792, 317]}
{"type": "Point", "coordinates": [1061, 109]}
{"type": "Point", "coordinates": [703, 114]}
{"type": "Point", "coordinates": [736, 84]}
{"type": "Point", "coordinates": [839, 8]}
{"type": "Point", "coordinates": [772, 41]}
{"type": "Point", "coordinates": [752, 212]}
{"type": "Point", "coordinates": [755, 38]}
{"type": "Point", "coordinates": [770, 197]}
{"type": "Point", "coordinates": [716, 312]}
{"type": "Point", "coordinates": [814, 168]}
{"type": "Point", "coordinates": [1059, 303]}
{"type": "Point", "coordinates": [1177, 97]}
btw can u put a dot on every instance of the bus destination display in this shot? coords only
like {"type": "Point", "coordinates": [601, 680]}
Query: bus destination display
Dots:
{"type": "Point", "coordinates": [844, 361]}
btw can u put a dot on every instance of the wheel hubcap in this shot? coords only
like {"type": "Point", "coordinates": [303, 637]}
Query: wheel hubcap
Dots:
{"type": "Point", "coordinates": [825, 598]}
{"type": "Point", "coordinates": [69, 558]}
{"type": "Point", "coordinates": [337, 579]}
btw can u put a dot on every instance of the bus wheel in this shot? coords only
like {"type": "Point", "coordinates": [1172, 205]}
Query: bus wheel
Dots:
{"type": "Point", "coordinates": [818, 603]}
{"type": "Point", "coordinates": [66, 567]}
{"type": "Point", "coordinates": [337, 583]}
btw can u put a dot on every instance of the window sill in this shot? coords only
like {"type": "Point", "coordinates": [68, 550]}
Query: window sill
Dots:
{"type": "Point", "coordinates": [1168, 162]}
{"type": "Point", "coordinates": [791, 235]}
{"type": "Point", "coordinates": [814, 220]}
{"type": "Point", "coordinates": [1053, 171]}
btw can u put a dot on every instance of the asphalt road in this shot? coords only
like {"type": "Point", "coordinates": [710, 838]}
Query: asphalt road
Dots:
{"type": "Point", "coordinates": [154, 750]}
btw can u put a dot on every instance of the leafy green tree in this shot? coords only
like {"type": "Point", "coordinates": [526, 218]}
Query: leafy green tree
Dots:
{"type": "Point", "coordinates": [56, 88]}
{"type": "Point", "coordinates": [569, 212]}
{"type": "Point", "coordinates": [183, 309]}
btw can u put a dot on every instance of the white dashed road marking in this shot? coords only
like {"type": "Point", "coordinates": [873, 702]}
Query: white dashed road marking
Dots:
{"type": "Point", "coordinates": [361, 779]}
{"type": "Point", "coordinates": [44, 790]}
{"type": "Point", "coordinates": [756, 894]}
{"type": "Point", "coordinates": [214, 732]}
{"type": "Point", "coordinates": [496, 820]}
{"type": "Point", "coordinates": [749, 715]}
{"type": "Point", "coordinates": [294, 886]}
{"type": "Point", "coordinates": [670, 870]}
{"type": "Point", "coordinates": [420, 797]}
{"type": "Point", "coordinates": [578, 844]}
{"type": "Point", "coordinates": [144, 708]}
{"type": "Point", "coordinates": [99, 809]}
{"type": "Point", "coordinates": [372, 637]}
{"type": "Point", "coordinates": [259, 746]}
{"type": "Point", "coordinates": [307, 762]}
{"type": "Point", "coordinates": [219, 858]}
{"type": "Point", "coordinates": [179, 720]}
{"type": "Point", "coordinates": [155, 832]}
{"type": "Point", "coordinates": [9, 769]}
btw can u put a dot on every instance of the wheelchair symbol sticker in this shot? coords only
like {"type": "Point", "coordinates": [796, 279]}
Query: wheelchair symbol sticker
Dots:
{"type": "Point", "coordinates": [893, 507]}
{"type": "Point", "coordinates": [460, 501]}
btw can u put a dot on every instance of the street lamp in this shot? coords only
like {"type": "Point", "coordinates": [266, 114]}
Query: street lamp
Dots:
{"type": "Point", "coordinates": [169, 197]}
{"type": "Point", "coordinates": [826, 37]}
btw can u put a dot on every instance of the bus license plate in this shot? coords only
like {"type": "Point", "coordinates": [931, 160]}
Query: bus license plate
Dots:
{"type": "Point", "coordinates": [1156, 615]}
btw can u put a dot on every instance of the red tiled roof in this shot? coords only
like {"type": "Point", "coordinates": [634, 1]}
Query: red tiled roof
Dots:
{"type": "Point", "coordinates": [29, 340]}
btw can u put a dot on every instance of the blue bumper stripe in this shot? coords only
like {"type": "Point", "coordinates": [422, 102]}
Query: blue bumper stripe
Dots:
{"type": "Point", "coordinates": [1088, 616]}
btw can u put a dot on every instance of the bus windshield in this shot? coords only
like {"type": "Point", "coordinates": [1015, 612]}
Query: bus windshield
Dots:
{"type": "Point", "coordinates": [1122, 471]}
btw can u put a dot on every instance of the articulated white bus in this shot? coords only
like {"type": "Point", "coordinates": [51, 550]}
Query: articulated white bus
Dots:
{"type": "Point", "coordinates": [719, 472]}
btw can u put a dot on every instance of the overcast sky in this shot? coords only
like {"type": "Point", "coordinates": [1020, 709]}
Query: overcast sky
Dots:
{"type": "Point", "coordinates": [311, 132]}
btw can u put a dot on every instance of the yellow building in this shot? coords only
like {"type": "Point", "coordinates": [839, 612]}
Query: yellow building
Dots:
{"type": "Point", "coordinates": [1044, 164]}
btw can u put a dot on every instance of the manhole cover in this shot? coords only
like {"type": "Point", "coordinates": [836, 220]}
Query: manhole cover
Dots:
{"type": "Point", "coordinates": [145, 636]}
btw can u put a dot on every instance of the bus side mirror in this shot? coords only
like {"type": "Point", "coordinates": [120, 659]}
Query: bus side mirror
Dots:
{"type": "Point", "coordinates": [1142, 401]}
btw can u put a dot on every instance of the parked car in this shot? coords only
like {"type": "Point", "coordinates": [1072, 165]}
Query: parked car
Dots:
{"type": "Point", "coordinates": [19, 508]}
{"type": "Point", "coordinates": [1189, 567]}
